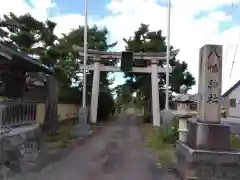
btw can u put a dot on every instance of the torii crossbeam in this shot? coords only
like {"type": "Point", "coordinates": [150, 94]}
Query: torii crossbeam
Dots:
{"type": "Point", "coordinates": [154, 69]}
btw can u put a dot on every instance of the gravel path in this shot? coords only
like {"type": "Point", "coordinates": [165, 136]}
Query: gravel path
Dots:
{"type": "Point", "coordinates": [116, 153]}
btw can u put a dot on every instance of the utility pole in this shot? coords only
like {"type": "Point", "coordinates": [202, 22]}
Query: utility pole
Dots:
{"type": "Point", "coordinates": [85, 53]}
{"type": "Point", "coordinates": [168, 53]}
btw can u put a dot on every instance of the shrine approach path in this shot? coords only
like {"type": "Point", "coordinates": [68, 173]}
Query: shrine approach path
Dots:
{"type": "Point", "coordinates": [118, 152]}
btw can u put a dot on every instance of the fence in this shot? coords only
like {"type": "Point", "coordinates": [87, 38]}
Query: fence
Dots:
{"type": "Point", "coordinates": [16, 113]}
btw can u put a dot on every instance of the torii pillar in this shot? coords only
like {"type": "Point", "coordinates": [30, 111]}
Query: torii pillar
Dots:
{"type": "Point", "coordinates": [95, 91]}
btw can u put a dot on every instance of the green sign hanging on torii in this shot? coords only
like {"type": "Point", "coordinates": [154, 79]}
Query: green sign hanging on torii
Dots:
{"type": "Point", "coordinates": [126, 61]}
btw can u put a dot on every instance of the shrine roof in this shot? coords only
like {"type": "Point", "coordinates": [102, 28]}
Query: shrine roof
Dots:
{"type": "Point", "coordinates": [22, 60]}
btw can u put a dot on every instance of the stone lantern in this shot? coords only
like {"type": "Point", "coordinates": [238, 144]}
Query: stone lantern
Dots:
{"type": "Point", "coordinates": [183, 112]}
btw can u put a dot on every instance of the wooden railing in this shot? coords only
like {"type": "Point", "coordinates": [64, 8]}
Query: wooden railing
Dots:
{"type": "Point", "coordinates": [16, 113]}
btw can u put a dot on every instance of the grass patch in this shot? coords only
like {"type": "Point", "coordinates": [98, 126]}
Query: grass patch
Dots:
{"type": "Point", "coordinates": [235, 142]}
{"type": "Point", "coordinates": [61, 138]}
{"type": "Point", "coordinates": [55, 144]}
{"type": "Point", "coordinates": [155, 140]}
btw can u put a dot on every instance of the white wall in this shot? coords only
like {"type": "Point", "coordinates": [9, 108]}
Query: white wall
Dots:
{"type": "Point", "coordinates": [235, 111]}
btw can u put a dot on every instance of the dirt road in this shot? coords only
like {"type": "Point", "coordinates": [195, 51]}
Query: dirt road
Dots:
{"type": "Point", "coordinates": [116, 153]}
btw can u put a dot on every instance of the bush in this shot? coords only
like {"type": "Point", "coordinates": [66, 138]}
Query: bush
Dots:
{"type": "Point", "coordinates": [235, 142]}
{"type": "Point", "coordinates": [105, 105]}
{"type": "Point", "coordinates": [157, 140]}
{"type": "Point", "coordinates": [147, 118]}
{"type": "Point", "coordinates": [172, 136]}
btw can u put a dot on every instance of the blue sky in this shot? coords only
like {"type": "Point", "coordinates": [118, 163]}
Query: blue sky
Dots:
{"type": "Point", "coordinates": [98, 8]}
{"type": "Point", "coordinates": [193, 23]}
{"type": "Point", "coordinates": [95, 7]}
{"type": "Point", "coordinates": [75, 6]}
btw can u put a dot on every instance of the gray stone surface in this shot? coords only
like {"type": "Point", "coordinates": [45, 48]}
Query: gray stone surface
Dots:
{"type": "Point", "coordinates": [16, 144]}
{"type": "Point", "coordinates": [80, 130]}
{"type": "Point", "coordinates": [5, 173]}
{"type": "Point", "coordinates": [210, 81]}
{"type": "Point", "coordinates": [82, 127]}
{"type": "Point", "coordinates": [208, 136]}
{"type": "Point", "coordinates": [234, 126]}
{"type": "Point", "coordinates": [207, 165]}
{"type": "Point", "coordinates": [167, 119]}
{"type": "Point", "coordinates": [207, 155]}
{"type": "Point", "coordinates": [117, 152]}
{"type": "Point", "coordinates": [83, 115]}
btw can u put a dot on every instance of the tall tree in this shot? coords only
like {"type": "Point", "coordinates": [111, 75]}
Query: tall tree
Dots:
{"type": "Point", "coordinates": [97, 39]}
{"type": "Point", "coordinates": [124, 94]}
{"type": "Point", "coordinates": [37, 39]}
{"type": "Point", "coordinates": [153, 41]}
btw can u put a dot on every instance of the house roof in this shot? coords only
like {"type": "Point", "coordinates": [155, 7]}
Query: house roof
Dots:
{"type": "Point", "coordinates": [22, 59]}
{"type": "Point", "coordinates": [194, 97]}
{"type": "Point", "coordinates": [231, 89]}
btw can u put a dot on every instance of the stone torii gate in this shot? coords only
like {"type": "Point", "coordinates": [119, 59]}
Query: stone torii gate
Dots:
{"type": "Point", "coordinates": [154, 69]}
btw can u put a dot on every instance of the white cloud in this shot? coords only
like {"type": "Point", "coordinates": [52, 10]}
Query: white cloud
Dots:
{"type": "Point", "coordinates": [67, 22]}
{"type": "Point", "coordinates": [187, 33]}
{"type": "Point", "coordinates": [38, 10]}
{"type": "Point", "coordinates": [71, 21]}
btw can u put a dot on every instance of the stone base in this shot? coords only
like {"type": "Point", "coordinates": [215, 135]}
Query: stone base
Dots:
{"type": "Point", "coordinates": [208, 136]}
{"type": "Point", "coordinates": [82, 127]}
{"type": "Point", "coordinates": [83, 115]}
{"type": "Point", "coordinates": [207, 165]}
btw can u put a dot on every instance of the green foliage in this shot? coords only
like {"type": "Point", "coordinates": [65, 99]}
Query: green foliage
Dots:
{"type": "Point", "coordinates": [38, 39]}
{"type": "Point", "coordinates": [71, 95]}
{"type": "Point", "coordinates": [105, 105]}
{"type": "Point", "coordinates": [166, 137]}
{"type": "Point", "coordinates": [69, 59]}
{"type": "Point", "coordinates": [61, 138]}
{"type": "Point", "coordinates": [156, 141]}
{"type": "Point", "coordinates": [124, 94]}
{"type": "Point", "coordinates": [153, 41]}
{"type": "Point", "coordinates": [172, 136]}
{"type": "Point", "coordinates": [235, 142]}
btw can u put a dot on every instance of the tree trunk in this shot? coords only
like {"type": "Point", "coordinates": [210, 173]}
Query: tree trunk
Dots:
{"type": "Point", "coordinates": [51, 115]}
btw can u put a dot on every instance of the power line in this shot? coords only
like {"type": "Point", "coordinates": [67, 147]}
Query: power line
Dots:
{"type": "Point", "coordinates": [225, 59]}
{"type": "Point", "coordinates": [235, 6]}
{"type": "Point", "coordinates": [234, 57]}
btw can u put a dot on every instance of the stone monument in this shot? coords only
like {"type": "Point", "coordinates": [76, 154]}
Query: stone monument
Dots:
{"type": "Point", "coordinates": [82, 127]}
{"type": "Point", "coordinates": [208, 132]}
{"type": "Point", "coordinates": [207, 154]}
{"type": "Point", "coordinates": [167, 120]}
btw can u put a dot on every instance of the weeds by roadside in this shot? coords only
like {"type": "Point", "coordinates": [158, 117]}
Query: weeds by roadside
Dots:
{"type": "Point", "coordinates": [235, 142]}
{"type": "Point", "coordinates": [156, 139]}
{"type": "Point", "coordinates": [62, 137]}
